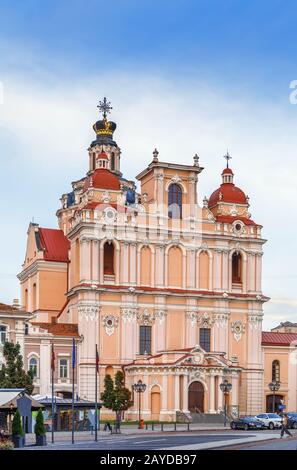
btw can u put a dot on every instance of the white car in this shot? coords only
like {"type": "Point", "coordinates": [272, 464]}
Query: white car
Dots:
{"type": "Point", "coordinates": [271, 420]}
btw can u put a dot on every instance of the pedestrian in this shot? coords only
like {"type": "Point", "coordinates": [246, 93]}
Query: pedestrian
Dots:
{"type": "Point", "coordinates": [284, 428]}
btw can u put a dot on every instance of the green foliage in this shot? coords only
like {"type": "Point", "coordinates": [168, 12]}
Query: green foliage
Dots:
{"type": "Point", "coordinates": [17, 428]}
{"type": "Point", "coordinates": [6, 444]}
{"type": "Point", "coordinates": [12, 374]}
{"type": "Point", "coordinates": [116, 396]}
{"type": "Point", "coordinates": [39, 428]}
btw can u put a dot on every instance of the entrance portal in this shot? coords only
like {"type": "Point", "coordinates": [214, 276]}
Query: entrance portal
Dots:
{"type": "Point", "coordinates": [269, 403]}
{"type": "Point", "coordinates": [196, 397]}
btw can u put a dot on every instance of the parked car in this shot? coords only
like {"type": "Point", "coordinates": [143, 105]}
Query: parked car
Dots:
{"type": "Point", "coordinates": [246, 423]}
{"type": "Point", "coordinates": [270, 420]}
{"type": "Point", "coordinates": [292, 422]}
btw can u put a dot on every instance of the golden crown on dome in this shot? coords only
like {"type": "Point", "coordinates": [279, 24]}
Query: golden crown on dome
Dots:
{"type": "Point", "coordinates": [104, 127]}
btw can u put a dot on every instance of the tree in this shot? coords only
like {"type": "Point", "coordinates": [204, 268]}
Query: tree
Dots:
{"type": "Point", "coordinates": [116, 396]}
{"type": "Point", "coordinates": [12, 374]}
{"type": "Point", "coordinates": [39, 428]}
{"type": "Point", "coordinates": [17, 428]}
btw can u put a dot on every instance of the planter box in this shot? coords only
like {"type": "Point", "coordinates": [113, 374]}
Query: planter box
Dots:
{"type": "Point", "coordinates": [18, 441]}
{"type": "Point", "coordinates": [41, 440]}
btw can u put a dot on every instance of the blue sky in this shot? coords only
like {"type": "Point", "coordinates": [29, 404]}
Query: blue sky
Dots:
{"type": "Point", "coordinates": [185, 76]}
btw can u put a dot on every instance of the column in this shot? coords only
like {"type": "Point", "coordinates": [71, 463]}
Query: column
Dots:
{"type": "Point", "coordinates": [212, 393]}
{"type": "Point", "coordinates": [159, 273]}
{"type": "Point", "coordinates": [133, 267]}
{"type": "Point", "coordinates": [220, 394]}
{"type": "Point", "coordinates": [234, 392]}
{"type": "Point", "coordinates": [164, 405]}
{"type": "Point", "coordinates": [44, 367]}
{"type": "Point", "coordinates": [85, 259]}
{"type": "Point", "coordinates": [95, 261]}
{"type": "Point", "coordinates": [176, 393]}
{"type": "Point", "coordinates": [185, 403]}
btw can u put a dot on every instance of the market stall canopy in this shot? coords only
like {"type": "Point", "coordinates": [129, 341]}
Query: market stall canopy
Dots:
{"type": "Point", "coordinates": [9, 397]}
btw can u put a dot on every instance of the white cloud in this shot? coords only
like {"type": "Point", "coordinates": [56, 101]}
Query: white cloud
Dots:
{"type": "Point", "coordinates": [45, 129]}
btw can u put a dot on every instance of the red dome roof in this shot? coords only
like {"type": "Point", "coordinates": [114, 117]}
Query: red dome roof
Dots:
{"type": "Point", "coordinates": [103, 155]}
{"type": "Point", "coordinates": [227, 171]}
{"type": "Point", "coordinates": [227, 192]}
{"type": "Point", "coordinates": [102, 179]}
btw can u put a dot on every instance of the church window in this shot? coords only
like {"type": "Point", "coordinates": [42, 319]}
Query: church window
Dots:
{"type": "Point", "coordinates": [174, 202]}
{"type": "Point", "coordinates": [109, 259]}
{"type": "Point", "coordinates": [204, 338]}
{"type": "Point", "coordinates": [236, 268]}
{"type": "Point", "coordinates": [145, 339]}
{"type": "Point", "coordinates": [33, 366]}
{"type": "Point", "coordinates": [276, 371]}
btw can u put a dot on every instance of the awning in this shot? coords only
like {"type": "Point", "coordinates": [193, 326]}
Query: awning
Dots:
{"type": "Point", "coordinates": [6, 396]}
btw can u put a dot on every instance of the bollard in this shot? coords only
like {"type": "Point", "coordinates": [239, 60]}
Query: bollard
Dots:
{"type": "Point", "coordinates": [175, 426]}
{"type": "Point", "coordinates": [146, 426]}
{"type": "Point", "coordinates": [152, 426]}
{"type": "Point", "coordinates": [162, 427]}
{"type": "Point", "coordinates": [188, 426]}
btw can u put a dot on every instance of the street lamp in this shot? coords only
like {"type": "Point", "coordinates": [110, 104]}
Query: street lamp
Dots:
{"type": "Point", "coordinates": [274, 387]}
{"type": "Point", "coordinates": [139, 388]}
{"type": "Point", "coordinates": [226, 387]}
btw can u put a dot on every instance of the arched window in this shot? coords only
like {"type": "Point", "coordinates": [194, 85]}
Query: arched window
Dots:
{"type": "Point", "coordinates": [275, 375]}
{"type": "Point", "coordinates": [109, 258]}
{"type": "Point", "coordinates": [145, 340]}
{"type": "Point", "coordinates": [175, 202]}
{"type": "Point", "coordinates": [236, 268]}
{"type": "Point", "coordinates": [33, 366]}
{"type": "Point", "coordinates": [112, 162]}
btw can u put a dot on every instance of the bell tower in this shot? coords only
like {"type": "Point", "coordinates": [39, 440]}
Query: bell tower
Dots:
{"type": "Point", "coordinates": [104, 142]}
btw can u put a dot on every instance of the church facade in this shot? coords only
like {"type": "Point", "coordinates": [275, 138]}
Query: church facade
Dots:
{"type": "Point", "coordinates": [169, 291]}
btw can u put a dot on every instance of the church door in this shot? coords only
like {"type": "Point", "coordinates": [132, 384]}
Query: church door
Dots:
{"type": "Point", "coordinates": [196, 397]}
{"type": "Point", "coordinates": [155, 403]}
{"type": "Point", "coordinates": [269, 403]}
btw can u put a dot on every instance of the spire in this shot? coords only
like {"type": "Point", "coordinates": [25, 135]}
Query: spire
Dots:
{"type": "Point", "coordinates": [227, 157]}
{"type": "Point", "coordinates": [105, 107]}
{"type": "Point", "coordinates": [227, 175]}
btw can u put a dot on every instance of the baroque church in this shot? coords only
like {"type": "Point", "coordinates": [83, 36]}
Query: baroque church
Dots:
{"type": "Point", "coordinates": [169, 290]}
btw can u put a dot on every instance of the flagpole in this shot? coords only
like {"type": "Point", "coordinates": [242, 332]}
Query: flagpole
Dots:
{"type": "Point", "coordinates": [53, 406]}
{"type": "Point", "coordinates": [73, 368]}
{"type": "Point", "coordinates": [96, 397]}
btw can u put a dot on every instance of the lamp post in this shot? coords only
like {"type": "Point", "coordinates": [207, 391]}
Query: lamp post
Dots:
{"type": "Point", "coordinates": [274, 387]}
{"type": "Point", "coordinates": [226, 387]}
{"type": "Point", "coordinates": [139, 387]}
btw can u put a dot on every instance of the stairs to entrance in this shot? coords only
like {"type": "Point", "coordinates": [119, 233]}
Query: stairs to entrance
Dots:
{"type": "Point", "coordinates": [208, 418]}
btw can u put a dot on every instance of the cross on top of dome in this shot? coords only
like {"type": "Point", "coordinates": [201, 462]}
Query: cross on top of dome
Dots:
{"type": "Point", "coordinates": [227, 157]}
{"type": "Point", "coordinates": [105, 107]}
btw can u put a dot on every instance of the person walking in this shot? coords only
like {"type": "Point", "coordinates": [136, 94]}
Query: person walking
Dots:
{"type": "Point", "coordinates": [284, 428]}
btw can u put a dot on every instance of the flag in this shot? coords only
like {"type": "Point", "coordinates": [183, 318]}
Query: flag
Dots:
{"type": "Point", "coordinates": [53, 358]}
{"type": "Point", "coordinates": [97, 360]}
{"type": "Point", "coordinates": [73, 354]}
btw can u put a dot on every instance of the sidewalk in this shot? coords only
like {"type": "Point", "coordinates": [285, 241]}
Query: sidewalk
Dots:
{"type": "Point", "coordinates": [129, 430]}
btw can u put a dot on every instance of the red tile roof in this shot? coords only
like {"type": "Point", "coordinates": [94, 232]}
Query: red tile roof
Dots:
{"type": "Point", "coordinates": [54, 244]}
{"type": "Point", "coordinates": [59, 329]}
{"type": "Point", "coordinates": [229, 219]}
{"type": "Point", "coordinates": [272, 338]}
{"type": "Point", "coordinates": [10, 308]}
